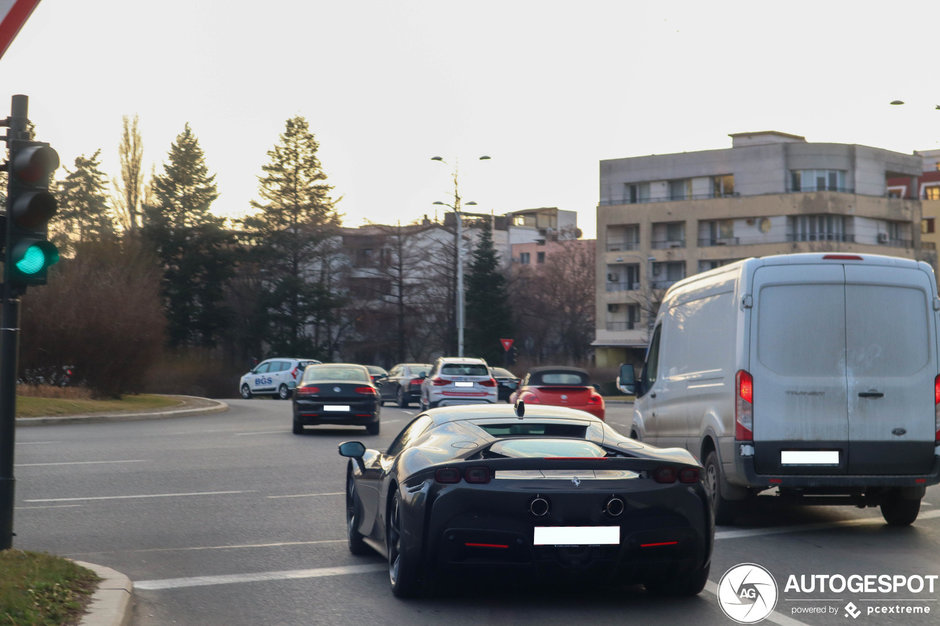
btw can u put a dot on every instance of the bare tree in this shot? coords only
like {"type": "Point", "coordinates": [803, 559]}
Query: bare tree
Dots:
{"type": "Point", "coordinates": [130, 190]}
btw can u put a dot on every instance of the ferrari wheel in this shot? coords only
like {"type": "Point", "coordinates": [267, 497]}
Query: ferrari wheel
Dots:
{"type": "Point", "coordinates": [402, 570]}
{"type": "Point", "coordinates": [689, 584]}
{"type": "Point", "coordinates": [356, 545]}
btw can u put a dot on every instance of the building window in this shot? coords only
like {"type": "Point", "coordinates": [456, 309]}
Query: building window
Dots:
{"type": "Point", "coordinates": [524, 258]}
{"type": "Point", "coordinates": [932, 192]}
{"type": "Point", "coordinates": [540, 257]}
{"type": "Point", "coordinates": [927, 225]}
{"type": "Point", "coordinates": [723, 185]}
{"type": "Point", "coordinates": [817, 228]}
{"type": "Point", "coordinates": [680, 189]}
{"type": "Point", "coordinates": [817, 180]}
{"type": "Point", "coordinates": [635, 193]}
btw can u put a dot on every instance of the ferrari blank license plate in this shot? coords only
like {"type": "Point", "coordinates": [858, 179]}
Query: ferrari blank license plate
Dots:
{"type": "Point", "coordinates": [576, 535]}
{"type": "Point", "coordinates": [336, 407]}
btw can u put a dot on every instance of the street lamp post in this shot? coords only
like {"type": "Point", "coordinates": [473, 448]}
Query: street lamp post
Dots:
{"type": "Point", "coordinates": [459, 304]}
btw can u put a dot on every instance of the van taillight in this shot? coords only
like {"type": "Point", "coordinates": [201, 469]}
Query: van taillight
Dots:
{"type": "Point", "coordinates": [936, 408]}
{"type": "Point", "coordinates": [743, 406]}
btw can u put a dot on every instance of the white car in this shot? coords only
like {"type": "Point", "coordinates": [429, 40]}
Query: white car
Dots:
{"type": "Point", "coordinates": [273, 377]}
{"type": "Point", "coordinates": [458, 380]}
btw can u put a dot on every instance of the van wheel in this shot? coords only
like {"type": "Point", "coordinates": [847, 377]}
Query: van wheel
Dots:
{"type": "Point", "coordinates": [900, 511]}
{"type": "Point", "coordinates": [283, 392]}
{"type": "Point", "coordinates": [725, 510]}
{"type": "Point", "coordinates": [246, 392]}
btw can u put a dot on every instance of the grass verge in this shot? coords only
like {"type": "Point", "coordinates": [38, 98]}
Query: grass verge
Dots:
{"type": "Point", "coordinates": [29, 405]}
{"type": "Point", "coordinates": [37, 588]}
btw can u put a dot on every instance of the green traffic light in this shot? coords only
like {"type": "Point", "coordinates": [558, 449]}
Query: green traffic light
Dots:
{"type": "Point", "coordinates": [37, 258]}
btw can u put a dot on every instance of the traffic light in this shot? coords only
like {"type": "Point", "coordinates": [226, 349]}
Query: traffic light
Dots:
{"type": "Point", "coordinates": [30, 206]}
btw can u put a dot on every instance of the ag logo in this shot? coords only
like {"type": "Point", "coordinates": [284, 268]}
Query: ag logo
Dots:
{"type": "Point", "coordinates": [747, 593]}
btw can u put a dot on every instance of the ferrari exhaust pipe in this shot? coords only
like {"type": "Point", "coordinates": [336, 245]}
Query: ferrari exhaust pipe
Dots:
{"type": "Point", "coordinates": [614, 507]}
{"type": "Point", "coordinates": [539, 506]}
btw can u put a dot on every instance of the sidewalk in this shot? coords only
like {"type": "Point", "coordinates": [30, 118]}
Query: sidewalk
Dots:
{"type": "Point", "coordinates": [112, 603]}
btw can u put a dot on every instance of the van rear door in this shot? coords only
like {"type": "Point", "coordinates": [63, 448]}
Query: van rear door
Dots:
{"type": "Point", "coordinates": [797, 360]}
{"type": "Point", "coordinates": [890, 369]}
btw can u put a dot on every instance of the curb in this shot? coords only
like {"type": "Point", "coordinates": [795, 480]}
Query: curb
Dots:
{"type": "Point", "coordinates": [206, 406]}
{"type": "Point", "coordinates": [111, 603]}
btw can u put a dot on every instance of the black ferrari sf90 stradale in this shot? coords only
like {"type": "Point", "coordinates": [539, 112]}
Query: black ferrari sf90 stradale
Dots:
{"type": "Point", "coordinates": [545, 492]}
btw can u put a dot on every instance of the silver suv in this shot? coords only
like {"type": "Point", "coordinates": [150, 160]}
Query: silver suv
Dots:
{"type": "Point", "coordinates": [458, 380]}
{"type": "Point", "coordinates": [273, 377]}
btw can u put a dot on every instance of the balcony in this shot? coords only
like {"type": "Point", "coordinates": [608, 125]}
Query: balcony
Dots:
{"type": "Point", "coordinates": [719, 241]}
{"type": "Point", "coordinates": [668, 243]}
{"type": "Point", "coordinates": [621, 326]}
{"type": "Point", "coordinates": [622, 246]}
{"type": "Point", "coordinates": [624, 286]}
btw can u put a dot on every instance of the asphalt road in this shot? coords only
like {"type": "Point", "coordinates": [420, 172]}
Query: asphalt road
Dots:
{"type": "Point", "coordinates": [230, 519]}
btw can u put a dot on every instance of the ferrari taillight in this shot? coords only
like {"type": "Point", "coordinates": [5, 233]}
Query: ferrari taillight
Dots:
{"type": "Point", "coordinates": [474, 475]}
{"type": "Point", "coordinates": [665, 475]}
{"type": "Point", "coordinates": [688, 475]}
{"type": "Point", "coordinates": [447, 475]}
{"type": "Point", "coordinates": [477, 475]}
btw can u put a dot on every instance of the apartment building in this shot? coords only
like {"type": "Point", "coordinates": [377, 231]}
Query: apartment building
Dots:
{"type": "Point", "coordinates": [661, 218]}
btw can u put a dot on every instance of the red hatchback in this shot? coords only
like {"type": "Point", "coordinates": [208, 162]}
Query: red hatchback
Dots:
{"type": "Point", "coordinates": [560, 386]}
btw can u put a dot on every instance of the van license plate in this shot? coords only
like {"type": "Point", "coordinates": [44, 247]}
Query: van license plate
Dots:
{"type": "Point", "coordinates": [576, 535]}
{"type": "Point", "coordinates": [809, 457]}
{"type": "Point", "coordinates": [336, 407]}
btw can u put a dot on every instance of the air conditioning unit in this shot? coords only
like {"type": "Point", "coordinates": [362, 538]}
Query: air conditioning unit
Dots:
{"type": "Point", "coordinates": [882, 237]}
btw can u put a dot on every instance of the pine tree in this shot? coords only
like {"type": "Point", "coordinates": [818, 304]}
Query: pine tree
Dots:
{"type": "Point", "coordinates": [83, 213]}
{"type": "Point", "coordinates": [488, 315]}
{"type": "Point", "coordinates": [290, 239]}
{"type": "Point", "coordinates": [192, 245]}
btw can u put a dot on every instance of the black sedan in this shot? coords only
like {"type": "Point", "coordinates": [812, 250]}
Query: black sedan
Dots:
{"type": "Point", "coordinates": [336, 393]}
{"type": "Point", "coordinates": [402, 384]}
{"type": "Point", "coordinates": [539, 492]}
{"type": "Point", "coordinates": [507, 382]}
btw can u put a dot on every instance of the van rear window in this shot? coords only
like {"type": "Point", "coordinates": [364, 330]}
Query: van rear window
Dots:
{"type": "Point", "coordinates": [801, 329]}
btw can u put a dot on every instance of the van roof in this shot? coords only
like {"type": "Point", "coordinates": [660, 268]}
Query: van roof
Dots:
{"type": "Point", "coordinates": [720, 274]}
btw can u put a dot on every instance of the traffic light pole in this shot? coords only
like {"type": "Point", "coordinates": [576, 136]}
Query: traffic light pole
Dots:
{"type": "Point", "coordinates": [9, 351]}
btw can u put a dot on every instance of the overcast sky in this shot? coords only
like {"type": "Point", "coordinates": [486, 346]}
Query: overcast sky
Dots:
{"type": "Point", "coordinates": [546, 88]}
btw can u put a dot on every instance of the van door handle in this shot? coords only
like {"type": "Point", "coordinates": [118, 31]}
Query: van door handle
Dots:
{"type": "Point", "coordinates": [870, 394]}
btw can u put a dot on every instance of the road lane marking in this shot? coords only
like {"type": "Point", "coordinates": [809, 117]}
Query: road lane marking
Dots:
{"type": "Point", "coordinates": [35, 443]}
{"type": "Point", "coordinates": [262, 432]}
{"type": "Point", "coordinates": [310, 495]}
{"type": "Point", "coordinates": [297, 574]}
{"type": "Point", "coordinates": [54, 506]}
{"type": "Point", "coordinates": [778, 530]}
{"type": "Point", "coordinates": [81, 463]}
{"type": "Point", "coordinates": [152, 495]}
{"type": "Point", "coordinates": [279, 544]}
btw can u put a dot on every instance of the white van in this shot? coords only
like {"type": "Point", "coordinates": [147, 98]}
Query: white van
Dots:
{"type": "Point", "coordinates": [816, 374]}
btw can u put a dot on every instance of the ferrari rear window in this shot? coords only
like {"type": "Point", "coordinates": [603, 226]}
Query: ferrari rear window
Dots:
{"type": "Point", "coordinates": [542, 448]}
{"type": "Point", "coordinates": [535, 429]}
